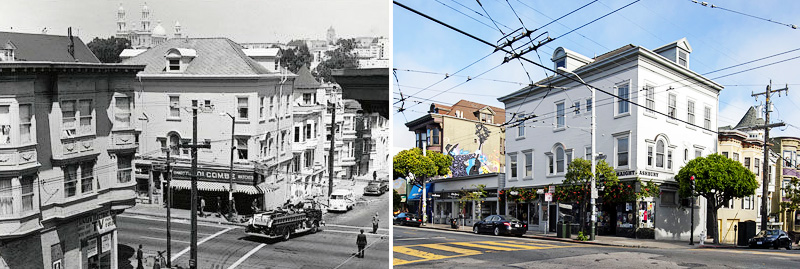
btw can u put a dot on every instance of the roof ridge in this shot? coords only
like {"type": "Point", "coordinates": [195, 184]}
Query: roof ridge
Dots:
{"type": "Point", "coordinates": [238, 49]}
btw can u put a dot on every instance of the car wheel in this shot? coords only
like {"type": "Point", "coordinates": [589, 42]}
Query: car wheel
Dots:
{"type": "Point", "coordinates": [288, 234]}
{"type": "Point", "coordinates": [789, 245]}
{"type": "Point", "coordinates": [496, 231]}
{"type": "Point", "coordinates": [475, 229]}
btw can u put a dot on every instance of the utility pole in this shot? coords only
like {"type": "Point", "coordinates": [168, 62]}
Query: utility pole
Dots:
{"type": "Point", "coordinates": [194, 146]}
{"type": "Point", "coordinates": [230, 175]}
{"type": "Point", "coordinates": [691, 227]}
{"type": "Point", "coordinates": [332, 150]}
{"type": "Point", "coordinates": [169, 210]}
{"type": "Point", "coordinates": [765, 176]}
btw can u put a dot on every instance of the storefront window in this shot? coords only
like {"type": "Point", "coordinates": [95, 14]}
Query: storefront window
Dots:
{"type": "Point", "coordinates": [625, 215]}
{"type": "Point", "coordinates": [646, 214]}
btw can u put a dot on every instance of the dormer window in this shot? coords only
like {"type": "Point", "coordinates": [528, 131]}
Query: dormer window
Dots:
{"type": "Point", "coordinates": [178, 59]}
{"type": "Point", "coordinates": [7, 52]}
{"type": "Point", "coordinates": [174, 64]}
{"type": "Point", "coordinates": [683, 58]}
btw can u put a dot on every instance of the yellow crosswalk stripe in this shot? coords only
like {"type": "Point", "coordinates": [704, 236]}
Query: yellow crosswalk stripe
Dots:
{"type": "Point", "coordinates": [396, 261]}
{"type": "Point", "coordinates": [417, 253]}
{"type": "Point", "coordinates": [463, 251]}
{"type": "Point", "coordinates": [484, 246]}
{"type": "Point", "coordinates": [531, 243]}
{"type": "Point", "coordinates": [511, 245]}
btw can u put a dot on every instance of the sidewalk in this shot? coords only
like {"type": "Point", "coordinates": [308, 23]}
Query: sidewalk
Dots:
{"type": "Point", "coordinates": [599, 240]}
{"type": "Point", "coordinates": [159, 211]}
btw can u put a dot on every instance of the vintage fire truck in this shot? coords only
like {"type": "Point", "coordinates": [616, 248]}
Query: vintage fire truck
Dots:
{"type": "Point", "coordinates": [286, 221]}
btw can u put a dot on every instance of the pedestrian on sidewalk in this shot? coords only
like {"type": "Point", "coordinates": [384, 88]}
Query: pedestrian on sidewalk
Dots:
{"type": "Point", "coordinates": [202, 206]}
{"type": "Point", "coordinates": [374, 175]}
{"type": "Point", "coordinates": [375, 221]}
{"type": "Point", "coordinates": [219, 207]}
{"type": "Point", "coordinates": [139, 257]}
{"type": "Point", "coordinates": [361, 241]}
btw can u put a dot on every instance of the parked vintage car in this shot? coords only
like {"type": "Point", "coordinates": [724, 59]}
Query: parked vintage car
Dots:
{"type": "Point", "coordinates": [373, 188]}
{"type": "Point", "coordinates": [501, 224]}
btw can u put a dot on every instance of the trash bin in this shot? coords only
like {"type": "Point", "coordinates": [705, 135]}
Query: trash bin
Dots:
{"type": "Point", "coordinates": [563, 230]}
{"type": "Point", "coordinates": [747, 230]}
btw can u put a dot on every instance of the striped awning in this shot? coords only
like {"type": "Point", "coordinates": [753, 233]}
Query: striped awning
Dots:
{"type": "Point", "coordinates": [215, 186]}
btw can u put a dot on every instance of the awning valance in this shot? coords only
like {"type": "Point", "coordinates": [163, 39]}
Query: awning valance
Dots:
{"type": "Point", "coordinates": [215, 186]}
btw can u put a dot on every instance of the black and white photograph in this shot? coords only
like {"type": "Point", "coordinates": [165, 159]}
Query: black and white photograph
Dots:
{"type": "Point", "coordinates": [195, 134]}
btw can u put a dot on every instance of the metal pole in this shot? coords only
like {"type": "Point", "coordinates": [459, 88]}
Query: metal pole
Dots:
{"type": "Point", "coordinates": [193, 250]}
{"type": "Point", "coordinates": [332, 150]}
{"type": "Point", "coordinates": [765, 177]}
{"type": "Point", "coordinates": [230, 175]}
{"type": "Point", "coordinates": [169, 210]}
{"type": "Point", "coordinates": [691, 228]}
{"type": "Point", "coordinates": [424, 197]}
{"type": "Point", "coordinates": [594, 175]}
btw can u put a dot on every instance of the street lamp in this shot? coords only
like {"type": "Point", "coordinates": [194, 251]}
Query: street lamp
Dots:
{"type": "Point", "coordinates": [230, 175]}
{"type": "Point", "coordinates": [594, 186]}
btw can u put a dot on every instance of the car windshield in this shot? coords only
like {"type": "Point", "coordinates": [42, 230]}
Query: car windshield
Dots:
{"type": "Point", "coordinates": [511, 219]}
{"type": "Point", "coordinates": [337, 197]}
{"type": "Point", "coordinates": [769, 232]}
{"type": "Point", "coordinates": [374, 184]}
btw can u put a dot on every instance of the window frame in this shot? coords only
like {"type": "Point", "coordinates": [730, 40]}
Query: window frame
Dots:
{"type": "Point", "coordinates": [120, 111]}
{"type": "Point", "coordinates": [528, 164]}
{"type": "Point", "coordinates": [242, 150]}
{"type": "Point", "coordinates": [242, 107]}
{"type": "Point", "coordinates": [690, 112]}
{"type": "Point", "coordinates": [512, 159]}
{"type": "Point", "coordinates": [672, 106]}
{"type": "Point", "coordinates": [174, 107]}
{"type": "Point", "coordinates": [707, 117]}
{"type": "Point", "coordinates": [650, 102]}
{"type": "Point", "coordinates": [561, 119]}
{"type": "Point", "coordinates": [26, 124]}
{"type": "Point", "coordinates": [618, 153]}
{"type": "Point", "coordinates": [622, 103]}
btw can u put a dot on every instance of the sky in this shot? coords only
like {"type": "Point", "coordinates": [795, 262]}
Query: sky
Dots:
{"type": "Point", "coordinates": [240, 20]}
{"type": "Point", "coordinates": [425, 51]}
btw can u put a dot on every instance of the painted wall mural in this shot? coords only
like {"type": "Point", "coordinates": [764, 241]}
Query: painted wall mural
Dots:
{"type": "Point", "coordinates": [472, 163]}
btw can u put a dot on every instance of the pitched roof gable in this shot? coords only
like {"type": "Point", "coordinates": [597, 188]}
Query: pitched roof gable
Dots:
{"type": "Point", "coordinates": [305, 80]}
{"type": "Point", "coordinates": [215, 56]}
{"type": "Point", "coordinates": [48, 48]}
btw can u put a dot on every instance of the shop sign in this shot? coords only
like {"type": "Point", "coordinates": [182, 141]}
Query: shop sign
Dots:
{"type": "Point", "coordinates": [105, 224]}
{"type": "Point", "coordinates": [88, 226]}
{"type": "Point", "coordinates": [637, 172]}
{"type": "Point", "coordinates": [105, 243]}
{"type": "Point", "coordinates": [91, 247]}
{"type": "Point", "coordinates": [217, 175]}
{"type": "Point", "coordinates": [552, 189]}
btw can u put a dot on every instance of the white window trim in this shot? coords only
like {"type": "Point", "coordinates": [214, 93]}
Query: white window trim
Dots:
{"type": "Point", "coordinates": [648, 87]}
{"type": "Point", "coordinates": [616, 137]}
{"type": "Point", "coordinates": [692, 120]}
{"type": "Point", "coordinates": [557, 128]}
{"type": "Point", "coordinates": [511, 168]}
{"type": "Point", "coordinates": [169, 108]}
{"type": "Point", "coordinates": [249, 111]}
{"type": "Point", "coordinates": [525, 154]}
{"type": "Point", "coordinates": [672, 119]}
{"type": "Point", "coordinates": [617, 101]}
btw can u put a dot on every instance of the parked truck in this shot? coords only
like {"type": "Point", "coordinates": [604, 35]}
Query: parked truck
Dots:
{"type": "Point", "coordinates": [304, 217]}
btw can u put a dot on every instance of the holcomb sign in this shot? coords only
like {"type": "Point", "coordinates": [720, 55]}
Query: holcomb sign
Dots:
{"type": "Point", "coordinates": [218, 175]}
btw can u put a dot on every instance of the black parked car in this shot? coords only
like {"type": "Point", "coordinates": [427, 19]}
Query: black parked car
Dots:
{"type": "Point", "coordinates": [771, 238]}
{"type": "Point", "coordinates": [407, 219]}
{"type": "Point", "coordinates": [499, 224]}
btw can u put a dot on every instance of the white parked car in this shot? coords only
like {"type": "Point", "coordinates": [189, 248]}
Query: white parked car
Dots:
{"type": "Point", "coordinates": [341, 201]}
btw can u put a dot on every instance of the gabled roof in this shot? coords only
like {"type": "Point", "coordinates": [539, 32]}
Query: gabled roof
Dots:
{"type": "Point", "coordinates": [682, 43]}
{"type": "Point", "coordinates": [468, 108]}
{"type": "Point", "coordinates": [750, 119]}
{"type": "Point", "coordinates": [305, 80]}
{"type": "Point", "coordinates": [261, 52]}
{"type": "Point", "coordinates": [48, 48]}
{"type": "Point", "coordinates": [215, 56]}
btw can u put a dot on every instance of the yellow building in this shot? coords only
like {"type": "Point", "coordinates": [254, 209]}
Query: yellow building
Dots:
{"type": "Point", "coordinates": [789, 147]}
{"type": "Point", "coordinates": [746, 147]}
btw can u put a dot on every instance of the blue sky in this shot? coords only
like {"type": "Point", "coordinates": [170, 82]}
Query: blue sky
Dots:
{"type": "Point", "coordinates": [718, 38]}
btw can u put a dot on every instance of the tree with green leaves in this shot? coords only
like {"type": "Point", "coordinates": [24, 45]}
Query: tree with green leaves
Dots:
{"type": "Point", "coordinates": [718, 179]}
{"type": "Point", "coordinates": [471, 196]}
{"type": "Point", "coordinates": [397, 200]}
{"type": "Point", "coordinates": [340, 58]}
{"type": "Point", "coordinates": [107, 50]}
{"type": "Point", "coordinates": [412, 162]}
{"type": "Point", "coordinates": [294, 59]}
{"type": "Point", "coordinates": [576, 186]}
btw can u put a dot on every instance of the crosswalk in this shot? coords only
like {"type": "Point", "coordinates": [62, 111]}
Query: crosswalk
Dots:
{"type": "Point", "coordinates": [428, 252]}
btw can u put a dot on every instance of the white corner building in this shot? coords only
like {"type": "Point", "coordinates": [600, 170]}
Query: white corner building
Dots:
{"type": "Point", "coordinates": [676, 123]}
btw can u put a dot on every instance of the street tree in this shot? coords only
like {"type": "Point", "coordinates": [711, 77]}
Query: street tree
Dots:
{"type": "Point", "coordinates": [107, 50]}
{"type": "Point", "coordinates": [412, 162]}
{"type": "Point", "coordinates": [718, 179]}
{"type": "Point", "coordinates": [397, 200]}
{"type": "Point", "coordinates": [340, 58]}
{"type": "Point", "coordinates": [576, 186]}
{"type": "Point", "coordinates": [293, 59]}
{"type": "Point", "coordinates": [468, 196]}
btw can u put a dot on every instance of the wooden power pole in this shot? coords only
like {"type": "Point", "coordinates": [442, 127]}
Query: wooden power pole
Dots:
{"type": "Point", "coordinates": [765, 177]}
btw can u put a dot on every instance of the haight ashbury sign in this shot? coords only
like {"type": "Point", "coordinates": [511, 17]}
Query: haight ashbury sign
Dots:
{"type": "Point", "coordinates": [628, 173]}
{"type": "Point", "coordinates": [217, 175]}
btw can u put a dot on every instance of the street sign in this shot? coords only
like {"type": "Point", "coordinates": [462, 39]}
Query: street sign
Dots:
{"type": "Point", "coordinates": [594, 193]}
{"type": "Point", "coordinates": [548, 197]}
{"type": "Point", "coordinates": [552, 189]}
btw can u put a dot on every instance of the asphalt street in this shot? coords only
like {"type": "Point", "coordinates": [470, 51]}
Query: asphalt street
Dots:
{"type": "Point", "coordinates": [427, 248]}
{"type": "Point", "coordinates": [222, 246]}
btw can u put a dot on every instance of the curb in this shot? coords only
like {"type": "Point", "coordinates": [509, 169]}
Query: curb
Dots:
{"type": "Point", "coordinates": [186, 219]}
{"type": "Point", "coordinates": [556, 239]}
